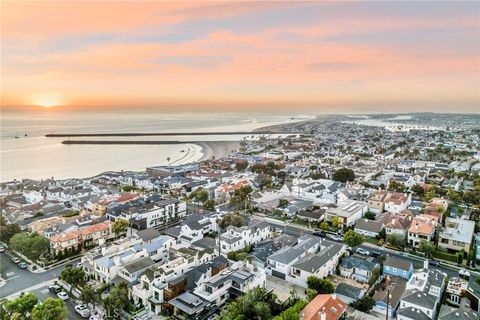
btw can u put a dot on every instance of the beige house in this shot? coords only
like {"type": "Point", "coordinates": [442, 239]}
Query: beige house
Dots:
{"type": "Point", "coordinates": [457, 235]}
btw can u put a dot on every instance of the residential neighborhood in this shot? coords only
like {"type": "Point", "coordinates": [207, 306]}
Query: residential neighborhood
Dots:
{"type": "Point", "coordinates": [343, 222]}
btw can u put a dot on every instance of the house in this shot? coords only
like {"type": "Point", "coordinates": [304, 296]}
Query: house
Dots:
{"type": "Point", "coordinates": [234, 238]}
{"type": "Point", "coordinates": [457, 235]}
{"type": "Point", "coordinates": [320, 264]}
{"type": "Point", "coordinates": [398, 224]}
{"type": "Point", "coordinates": [279, 263]}
{"type": "Point", "coordinates": [194, 228]}
{"type": "Point", "coordinates": [421, 228]}
{"type": "Point", "coordinates": [423, 294]}
{"type": "Point", "coordinates": [226, 190]}
{"type": "Point", "coordinates": [358, 268]}
{"type": "Point", "coordinates": [387, 295]}
{"type": "Point", "coordinates": [96, 234]}
{"type": "Point", "coordinates": [372, 228]}
{"type": "Point", "coordinates": [396, 266]}
{"type": "Point", "coordinates": [460, 287]}
{"type": "Point", "coordinates": [384, 200]}
{"type": "Point", "coordinates": [349, 212]}
{"type": "Point", "coordinates": [462, 312]}
{"type": "Point", "coordinates": [348, 293]}
{"type": "Point", "coordinates": [324, 307]}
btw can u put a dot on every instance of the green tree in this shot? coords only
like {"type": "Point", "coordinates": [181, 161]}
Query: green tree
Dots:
{"type": "Point", "coordinates": [231, 219]}
{"type": "Point", "coordinates": [311, 294]}
{"type": "Point", "coordinates": [292, 312]}
{"type": "Point", "coordinates": [352, 238]}
{"type": "Point", "coordinates": [324, 226]}
{"type": "Point", "coordinates": [257, 304]}
{"type": "Point", "coordinates": [343, 175]}
{"type": "Point", "coordinates": [7, 231]}
{"type": "Point", "coordinates": [50, 309]}
{"type": "Point", "coordinates": [427, 248]}
{"type": "Point", "coordinates": [209, 205]}
{"type": "Point", "coordinates": [370, 215]}
{"type": "Point", "coordinates": [89, 295]}
{"type": "Point", "coordinates": [321, 286]}
{"type": "Point", "coordinates": [120, 226]}
{"type": "Point", "coordinates": [418, 190]}
{"type": "Point", "coordinates": [241, 194]}
{"type": "Point", "coordinates": [396, 240]}
{"type": "Point", "coordinates": [73, 276]}
{"type": "Point", "coordinates": [116, 300]}
{"type": "Point", "coordinates": [337, 223]}
{"type": "Point", "coordinates": [200, 195]}
{"type": "Point", "coordinates": [283, 203]}
{"type": "Point", "coordinates": [31, 245]}
{"type": "Point", "coordinates": [22, 305]}
{"type": "Point", "coordinates": [365, 304]}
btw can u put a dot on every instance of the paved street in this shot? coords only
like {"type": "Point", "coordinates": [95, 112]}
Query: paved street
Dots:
{"type": "Point", "coordinates": [18, 279]}
{"type": "Point", "coordinates": [43, 293]}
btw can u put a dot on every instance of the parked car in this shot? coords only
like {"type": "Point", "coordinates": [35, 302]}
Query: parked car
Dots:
{"type": "Point", "coordinates": [336, 237]}
{"type": "Point", "coordinates": [376, 254]}
{"type": "Point", "coordinates": [54, 288]}
{"type": "Point", "coordinates": [2, 249]}
{"type": "Point", "coordinates": [95, 316]}
{"type": "Point", "coordinates": [16, 260]}
{"type": "Point", "coordinates": [363, 251]}
{"type": "Point", "coordinates": [82, 310]}
{"type": "Point", "coordinates": [433, 263]}
{"type": "Point", "coordinates": [62, 295]}
{"type": "Point", "coordinates": [23, 265]}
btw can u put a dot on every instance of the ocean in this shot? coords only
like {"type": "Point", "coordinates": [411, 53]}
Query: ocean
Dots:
{"type": "Point", "coordinates": [34, 156]}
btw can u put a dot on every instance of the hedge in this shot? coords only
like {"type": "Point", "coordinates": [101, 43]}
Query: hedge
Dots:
{"type": "Point", "coordinates": [446, 256]}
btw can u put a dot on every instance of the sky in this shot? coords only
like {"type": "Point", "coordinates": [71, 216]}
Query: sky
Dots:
{"type": "Point", "coordinates": [320, 56]}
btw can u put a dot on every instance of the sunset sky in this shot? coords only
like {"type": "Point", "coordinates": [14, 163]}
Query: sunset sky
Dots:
{"type": "Point", "coordinates": [333, 56]}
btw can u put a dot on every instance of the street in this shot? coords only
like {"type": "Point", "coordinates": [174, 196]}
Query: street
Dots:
{"type": "Point", "coordinates": [18, 279]}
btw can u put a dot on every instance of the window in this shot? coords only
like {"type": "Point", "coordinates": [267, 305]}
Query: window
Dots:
{"type": "Point", "coordinates": [394, 269]}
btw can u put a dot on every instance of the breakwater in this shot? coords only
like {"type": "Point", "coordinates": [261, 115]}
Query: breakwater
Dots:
{"type": "Point", "coordinates": [145, 134]}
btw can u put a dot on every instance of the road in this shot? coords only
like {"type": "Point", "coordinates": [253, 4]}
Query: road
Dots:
{"type": "Point", "coordinates": [17, 280]}
{"type": "Point", "coordinates": [43, 293]}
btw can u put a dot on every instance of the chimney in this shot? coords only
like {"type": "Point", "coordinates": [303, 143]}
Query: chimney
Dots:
{"type": "Point", "coordinates": [334, 296]}
{"type": "Point", "coordinates": [323, 314]}
{"type": "Point", "coordinates": [302, 316]}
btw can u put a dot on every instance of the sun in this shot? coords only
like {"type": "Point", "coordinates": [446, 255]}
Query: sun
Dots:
{"type": "Point", "coordinates": [47, 100]}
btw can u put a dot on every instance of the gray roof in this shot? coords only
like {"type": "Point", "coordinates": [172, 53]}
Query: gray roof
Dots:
{"type": "Point", "coordinates": [148, 234]}
{"type": "Point", "coordinates": [413, 313]}
{"type": "Point", "coordinates": [396, 262]}
{"type": "Point", "coordinates": [286, 255]}
{"type": "Point", "coordinates": [349, 291]}
{"type": "Point", "coordinates": [463, 312]}
{"type": "Point", "coordinates": [419, 298]}
{"type": "Point", "coordinates": [139, 265]}
{"type": "Point", "coordinates": [189, 303]}
{"type": "Point", "coordinates": [311, 263]}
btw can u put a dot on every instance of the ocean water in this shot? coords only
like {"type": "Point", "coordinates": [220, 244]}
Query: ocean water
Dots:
{"type": "Point", "coordinates": [34, 156]}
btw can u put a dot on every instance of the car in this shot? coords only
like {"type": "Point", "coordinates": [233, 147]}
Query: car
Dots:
{"type": "Point", "coordinates": [54, 288]}
{"type": "Point", "coordinates": [23, 265]}
{"type": "Point", "coordinates": [433, 263]}
{"type": "Point", "coordinates": [62, 295]}
{"type": "Point", "coordinates": [16, 260]}
{"type": "Point", "coordinates": [82, 310]}
{"type": "Point", "coordinates": [363, 251]}
{"type": "Point", "coordinates": [95, 316]}
{"type": "Point", "coordinates": [336, 238]}
{"type": "Point", "coordinates": [376, 254]}
{"type": "Point", "coordinates": [2, 249]}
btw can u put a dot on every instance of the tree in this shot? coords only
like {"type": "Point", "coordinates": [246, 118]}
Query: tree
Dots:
{"type": "Point", "coordinates": [7, 231]}
{"type": "Point", "coordinates": [241, 165]}
{"type": "Point", "coordinates": [257, 304]}
{"type": "Point", "coordinates": [396, 240]}
{"type": "Point", "coordinates": [282, 203]}
{"type": "Point", "coordinates": [352, 238]}
{"type": "Point", "coordinates": [89, 295]}
{"type": "Point", "coordinates": [321, 286]}
{"type": "Point", "coordinates": [343, 175]}
{"type": "Point", "coordinates": [120, 226]}
{"type": "Point", "coordinates": [241, 194]}
{"type": "Point", "coordinates": [311, 294]}
{"type": "Point", "coordinates": [365, 304]}
{"type": "Point", "coordinates": [427, 248]}
{"type": "Point", "coordinates": [209, 205]}
{"type": "Point", "coordinates": [73, 276]}
{"type": "Point", "coordinates": [116, 300]}
{"type": "Point", "coordinates": [31, 245]}
{"type": "Point", "coordinates": [418, 190]}
{"type": "Point", "coordinates": [22, 305]}
{"type": "Point", "coordinates": [200, 195]}
{"type": "Point", "coordinates": [292, 312]}
{"type": "Point", "coordinates": [50, 309]}
{"type": "Point", "coordinates": [231, 219]}
{"type": "Point", "coordinates": [370, 215]}
{"type": "Point", "coordinates": [324, 226]}
{"type": "Point", "coordinates": [337, 224]}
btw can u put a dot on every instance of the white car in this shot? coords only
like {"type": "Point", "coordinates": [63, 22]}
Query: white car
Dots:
{"type": "Point", "coordinates": [62, 295]}
{"type": "Point", "coordinates": [2, 249]}
{"type": "Point", "coordinates": [82, 310]}
{"type": "Point", "coordinates": [363, 251]}
{"type": "Point", "coordinates": [336, 238]}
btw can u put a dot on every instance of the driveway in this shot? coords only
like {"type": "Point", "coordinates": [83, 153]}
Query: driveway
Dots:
{"type": "Point", "coordinates": [282, 288]}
